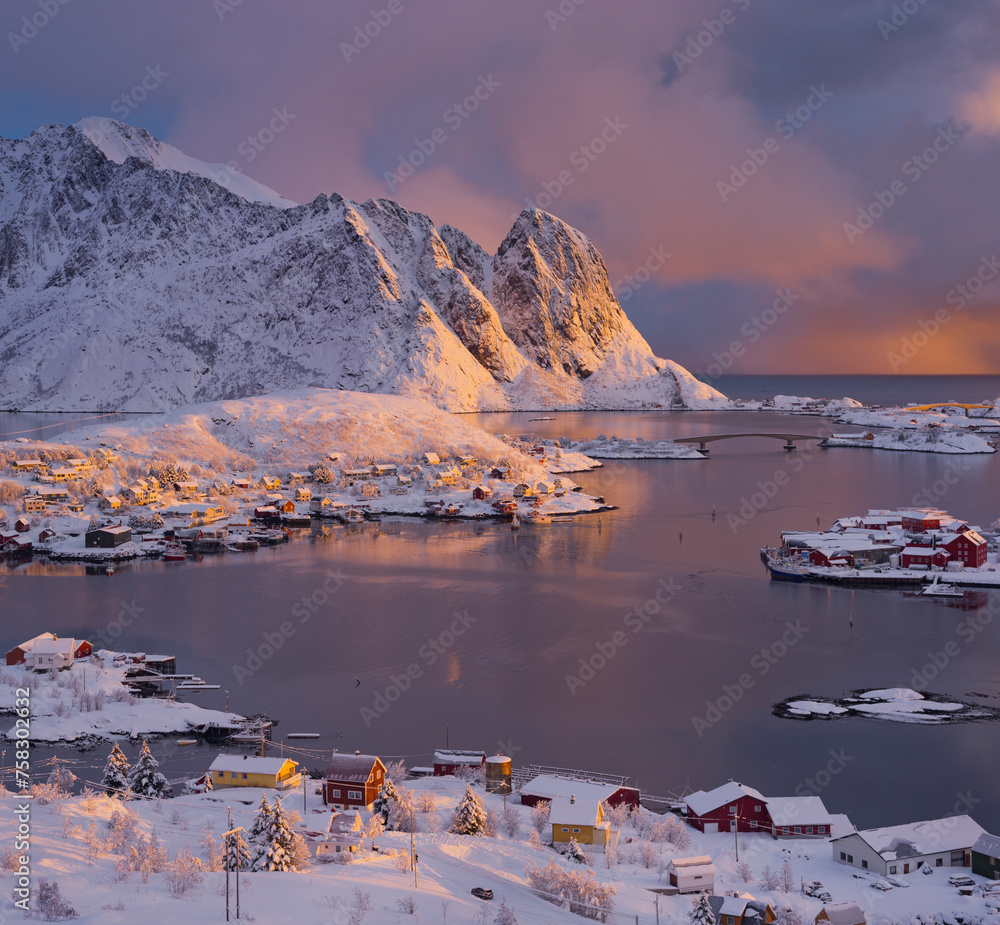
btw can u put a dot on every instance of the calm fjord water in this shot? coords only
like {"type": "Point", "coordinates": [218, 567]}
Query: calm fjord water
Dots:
{"type": "Point", "coordinates": [538, 601]}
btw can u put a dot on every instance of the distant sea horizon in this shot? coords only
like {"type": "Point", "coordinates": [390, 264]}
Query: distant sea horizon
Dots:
{"type": "Point", "coordinates": [868, 389]}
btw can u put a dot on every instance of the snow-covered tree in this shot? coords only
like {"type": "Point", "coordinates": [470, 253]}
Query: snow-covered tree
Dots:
{"type": "Point", "coordinates": [277, 844]}
{"type": "Point", "coordinates": [744, 871]}
{"type": "Point", "coordinates": [401, 812]}
{"type": "Point", "coordinates": [540, 815]}
{"type": "Point", "coordinates": [505, 915]}
{"type": "Point", "coordinates": [575, 852]}
{"type": "Point", "coordinates": [701, 912]}
{"type": "Point", "coordinates": [374, 827]}
{"type": "Point", "coordinates": [145, 779]}
{"type": "Point", "coordinates": [184, 873]}
{"type": "Point", "coordinates": [396, 772]}
{"type": "Point", "coordinates": [63, 778]}
{"type": "Point", "coordinates": [787, 877]}
{"type": "Point", "coordinates": [769, 879]}
{"type": "Point", "coordinates": [49, 904]}
{"type": "Point", "coordinates": [116, 772]}
{"type": "Point", "coordinates": [470, 817]}
{"type": "Point", "coordinates": [787, 916]}
{"type": "Point", "coordinates": [237, 853]}
{"type": "Point", "coordinates": [385, 798]}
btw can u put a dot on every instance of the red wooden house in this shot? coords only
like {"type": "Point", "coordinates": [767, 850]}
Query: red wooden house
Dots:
{"type": "Point", "coordinates": [731, 804]}
{"type": "Point", "coordinates": [968, 547]}
{"type": "Point", "coordinates": [352, 781]}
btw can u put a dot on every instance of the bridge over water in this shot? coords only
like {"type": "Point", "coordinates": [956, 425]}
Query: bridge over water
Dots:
{"type": "Point", "coordinates": [944, 404]}
{"type": "Point", "coordinates": [789, 439]}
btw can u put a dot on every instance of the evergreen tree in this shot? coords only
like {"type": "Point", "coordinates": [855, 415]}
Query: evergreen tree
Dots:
{"type": "Point", "coordinates": [401, 812]}
{"type": "Point", "coordinates": [145, 779]}
{"type": "Point", "coordinates": [576, 852]}
{"type": "Point", "coordinates": [277, 847]}
{"type": "Point", "coordinates": [701, 912]}
{"type": "Point", "coordinates": [383, 802]}
{"type": "Point", "coordinates": [261, 823]}
{"type": "Point", "coordinates": [505, 915]}
{"type": "Point", "coordinates": [470, 817]}
{"type": "Point", "coordinates": [116, 772]}
{"type": "Point", "coordinates": [237, 853]}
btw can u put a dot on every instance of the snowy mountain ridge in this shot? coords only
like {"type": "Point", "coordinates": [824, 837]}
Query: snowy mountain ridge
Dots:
{"type": "Point", "coordinates": [133, 277]}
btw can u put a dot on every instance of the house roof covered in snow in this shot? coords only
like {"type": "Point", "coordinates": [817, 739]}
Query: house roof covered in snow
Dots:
{"type": "Point", "coordinates": [914, 839]}
{"type": "Point", "coordinates": [350, 767]}
{"type": "Point", "coordinates": [249, 764]}
{"type": "Point", "coordinates": [798, 811]}
{"type": "Point", "coordinates": [458, 756]}
{"type": "Point", "coordinates": [549, 786]}
{"type": "Point", "coordinates": [844, 914]}
{"type": "Point", "coordinates": [696, 861]}
{"type": "Point", "coordinates": [988, 844]}
{"type": "Point", "coordinates": [702, 801]}
{"type": "Point", "coordinates": [59, 645]}
{"type": "Point", "coordinates": [566, 811]}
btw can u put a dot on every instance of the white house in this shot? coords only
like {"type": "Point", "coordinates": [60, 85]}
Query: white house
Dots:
{"type": "Point", "coordinates": [904, 849]}
{"type": "Point", "coordinates": [51, 654]}
{"type": "Point", "coordinates": [692, 875]}
{"type": "Point", "coordinates": [343, 833]}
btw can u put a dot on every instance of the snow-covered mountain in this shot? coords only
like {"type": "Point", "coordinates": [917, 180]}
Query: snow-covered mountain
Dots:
{"type": "Point", "coordinates": [134, 277]}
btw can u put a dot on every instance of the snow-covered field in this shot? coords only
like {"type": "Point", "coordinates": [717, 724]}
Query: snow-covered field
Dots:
{"type": "Point", "coordinates": [70, 844]}
{"type": "Point", "coordinates": [89, 701]}
{"type": "Point", "coordinates": [908, 418]}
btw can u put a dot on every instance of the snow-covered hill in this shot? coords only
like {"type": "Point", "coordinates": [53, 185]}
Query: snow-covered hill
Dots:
{"type": "Point", "coordinates": [133, 277]}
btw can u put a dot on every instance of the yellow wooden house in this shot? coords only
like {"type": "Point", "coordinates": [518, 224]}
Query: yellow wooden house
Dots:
{"type": "Point", "coordinates": [250, 771]}
{"type": "Point", "coordinates": [580, 819]}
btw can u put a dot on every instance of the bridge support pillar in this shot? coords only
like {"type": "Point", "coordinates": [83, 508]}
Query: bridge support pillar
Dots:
{"type": "Point", "coordinates": [789, 446]}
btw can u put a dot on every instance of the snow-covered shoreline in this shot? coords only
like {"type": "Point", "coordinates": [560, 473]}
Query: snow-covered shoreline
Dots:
{"type": "Point", "coordinates": [897, 705]}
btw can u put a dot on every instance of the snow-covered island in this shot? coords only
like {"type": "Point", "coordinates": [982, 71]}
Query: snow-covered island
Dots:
{"type": "Point", "coordinates": [896, 704]}
{"type": "Point", "coordinates": [933, 438]}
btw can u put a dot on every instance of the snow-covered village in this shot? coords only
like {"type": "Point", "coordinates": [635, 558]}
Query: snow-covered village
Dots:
{"type": "Point", "coordinates": [499, 464]}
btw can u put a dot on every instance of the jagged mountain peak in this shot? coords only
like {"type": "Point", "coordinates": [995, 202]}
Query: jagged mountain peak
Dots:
{"type": "Point", "coordinates": [134, 277]}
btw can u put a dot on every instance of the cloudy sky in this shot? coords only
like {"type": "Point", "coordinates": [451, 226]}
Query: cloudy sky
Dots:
{"type": "Point", "coordinates": [824, 176]}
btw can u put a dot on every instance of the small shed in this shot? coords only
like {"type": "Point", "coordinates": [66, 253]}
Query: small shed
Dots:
{"type": "Point", "coordinates": [22, 525]}
{"type": "Point", "coordinates": [343, 833]}
{"type": "Point", "coordinates": [430, 459]}
{"type": "Point", "coordinates": [109, 503]}
{"type": "Point", "coordinates": [692, 875]}
{"type": "Point", "coordinates": [986, 856]}
{"type": "Point", "coordinates": [482, 493]}
{"type": "Point", "coordinates": [841, 914]}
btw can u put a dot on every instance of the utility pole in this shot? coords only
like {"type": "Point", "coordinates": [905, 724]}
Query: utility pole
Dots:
{"type": "Point", "coordinates": [736, 829]}
{"type": "Point", "coordinates": [230, 834]}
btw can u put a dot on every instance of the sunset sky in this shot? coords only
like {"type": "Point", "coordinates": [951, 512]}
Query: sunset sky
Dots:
{"type": "Point", "coordinates": [844, 154]}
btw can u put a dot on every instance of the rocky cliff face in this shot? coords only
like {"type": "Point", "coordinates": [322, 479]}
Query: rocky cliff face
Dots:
{"type": "Point", "coordinates": [133, 277]}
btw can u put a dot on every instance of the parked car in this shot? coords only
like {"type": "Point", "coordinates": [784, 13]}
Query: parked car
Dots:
{"type": "Point", "coordinates": [902, 884]}
{"type": "Point", "coordinates": [961, 881]}
{"type": "Point", "coordinates": [881, 885]}
{"type": "Point", "coordinates": [481, 892]}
